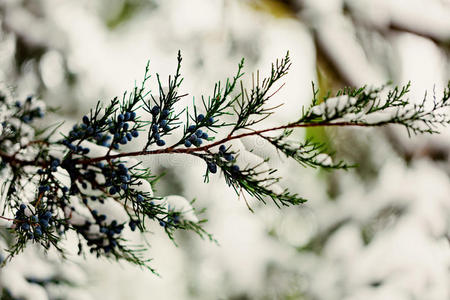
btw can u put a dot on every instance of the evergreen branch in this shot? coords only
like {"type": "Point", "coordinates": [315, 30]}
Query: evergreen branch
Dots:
{"type": "Point", "coordinates": [97, 172]}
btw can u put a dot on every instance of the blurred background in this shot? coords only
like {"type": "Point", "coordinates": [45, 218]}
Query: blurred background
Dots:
{"type": "Point", "coordinates": [380, 231]}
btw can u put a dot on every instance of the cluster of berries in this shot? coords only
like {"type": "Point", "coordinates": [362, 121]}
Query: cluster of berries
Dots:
{"type": "Point", "coordinates": [224, 154]}
{"type": "Point", "coordinates": [117, 178]}
{"type": "Point", "coordinates": [107, 241]}
{"type": "Point", "coordinates": [75, 148]}
{"type": "Point", "coordinates": [43, 188]}
{"type": "Point", "coordinates": [171, 220]}
{"type": "Point", "coordinates": [29, 114]}
{"type": "Point", "coordinates": [52, 167]}
{"type": "Point", "coordinates": [93, 198]}
{"type": "Point", "coordinates": [197, 137]}
{"type": "Point", "coordinates": [212, 167]}
{"type": "Point", "coordinates": [85, 130]}
{"type": "Point", "coordinates": [121, 130]}
{"type": "Point", "coordinates": [161, 126]}
{"type": "Point", "coordinates": [102, 139]}
{"type": "Point", "coordinates": [132, 225]}
{"type": "Point", "coordinates": [229, 157]}
{"type": "Point", "coordinates": [201, 118]}
{"type": "Point", "coordinates": [34, 224]}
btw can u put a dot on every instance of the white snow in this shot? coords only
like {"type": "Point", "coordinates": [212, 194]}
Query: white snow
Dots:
{"type": "Point", "coordinates": [180, 204]}
{"type": "Point", "coordinates": [332, 106]}
{"type": "Point", "coordinates": [324, 159]}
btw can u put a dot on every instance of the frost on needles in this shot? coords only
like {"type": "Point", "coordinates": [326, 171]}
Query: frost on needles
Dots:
{"type": "Point", "coordinates": [53, 184]}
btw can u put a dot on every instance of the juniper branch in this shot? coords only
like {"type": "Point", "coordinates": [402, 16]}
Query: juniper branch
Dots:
{"type": "Point", "coordinates": [99, 171]}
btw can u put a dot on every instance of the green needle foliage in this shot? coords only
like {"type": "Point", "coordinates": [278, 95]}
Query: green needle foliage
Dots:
{"type": "Point", "coordinates": [53, 184]}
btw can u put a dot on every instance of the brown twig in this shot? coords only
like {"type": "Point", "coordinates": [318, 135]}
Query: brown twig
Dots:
{"type": "Point", "coordinates": [172, 149]}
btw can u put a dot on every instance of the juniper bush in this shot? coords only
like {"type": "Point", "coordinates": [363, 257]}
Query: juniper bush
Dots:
{"type": "Point", "coordinates": [72, 177]}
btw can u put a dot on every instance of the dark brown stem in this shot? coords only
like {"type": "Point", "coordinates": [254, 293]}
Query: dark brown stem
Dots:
{"type": "Point", "coordinates": [7, 219]}
{"type": "Point", "coordinates": [172, 149]}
